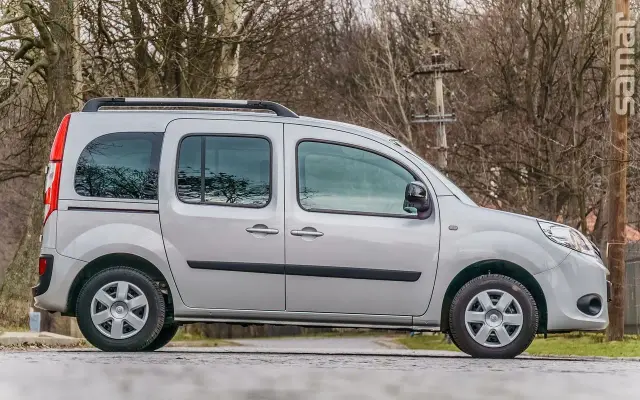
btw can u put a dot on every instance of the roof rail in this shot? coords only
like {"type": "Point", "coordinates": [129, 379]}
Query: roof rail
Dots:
{"type": "Point", "coordinates": [94, 105]}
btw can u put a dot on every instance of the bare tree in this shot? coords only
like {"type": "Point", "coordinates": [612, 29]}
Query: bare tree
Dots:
{"type": "Point", "coordinates": [532, 109]}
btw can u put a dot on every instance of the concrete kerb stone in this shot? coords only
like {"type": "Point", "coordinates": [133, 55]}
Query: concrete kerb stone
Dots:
{"type": "Point", "coordinates": [34, 338]}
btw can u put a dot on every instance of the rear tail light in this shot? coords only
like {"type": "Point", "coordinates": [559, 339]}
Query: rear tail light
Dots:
{"type": "Point", "coordinates": [51, 188]}
{"type": "Point", "coordinates": [42, 266]}
{"type": "Point", "coordinates": [57, 149]}
{"type": "Point", "coordinates": [54, 169]}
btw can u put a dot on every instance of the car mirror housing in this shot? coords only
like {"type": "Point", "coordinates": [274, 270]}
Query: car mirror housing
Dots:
{"type": "Point", "coordinates": [416, 196]}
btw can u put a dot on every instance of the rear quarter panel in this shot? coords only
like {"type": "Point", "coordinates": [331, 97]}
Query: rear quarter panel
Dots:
{"type": "Point", "coordinates": [87, 235]}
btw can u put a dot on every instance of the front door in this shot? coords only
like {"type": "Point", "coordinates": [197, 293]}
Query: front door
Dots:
{"type": "Point", "coordinates": [350, 246]}
{"type": "Point", "coordinates": [222, 213]}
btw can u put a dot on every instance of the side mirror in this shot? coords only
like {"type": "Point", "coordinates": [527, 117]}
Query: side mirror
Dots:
{"type": "Point", "coordinates": [416, 196]}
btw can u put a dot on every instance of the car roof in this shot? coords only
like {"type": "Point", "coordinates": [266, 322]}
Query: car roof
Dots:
{"type": "Point", "coordinates": [166, 116]}
{"type": "Point", "coordinates": [167, 109]}
{"type": "Point", "coordinates": [156, 120]}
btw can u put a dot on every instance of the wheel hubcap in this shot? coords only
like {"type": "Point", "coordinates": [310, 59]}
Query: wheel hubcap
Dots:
{"type": "Point", "coordinates": [493, 318]}
{"type": "Point", "coordinates": [119, 310]}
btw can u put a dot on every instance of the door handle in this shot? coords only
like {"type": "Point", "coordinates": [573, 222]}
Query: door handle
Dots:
{"type": "Point", "coordinates": [306, 233]}
{"type": "Point", "coordinates": [267, 231]}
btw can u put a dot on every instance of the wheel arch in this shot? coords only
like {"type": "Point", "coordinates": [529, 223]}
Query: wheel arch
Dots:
{"type": "Point", "coordinates": [118, 259]}
{"type": "Point", "coordinates": [500, 267]}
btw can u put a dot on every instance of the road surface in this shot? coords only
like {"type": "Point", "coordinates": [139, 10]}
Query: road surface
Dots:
{"type": "Point", "coordinates": [337, 343]}
{"type": "Point", "coordinates": [325, 369]}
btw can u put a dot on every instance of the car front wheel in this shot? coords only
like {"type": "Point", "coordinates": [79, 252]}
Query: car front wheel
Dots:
{"type": "Point", "coordinates": [493, 316]}
{"type": "Point", "coordinates": [120, 309]}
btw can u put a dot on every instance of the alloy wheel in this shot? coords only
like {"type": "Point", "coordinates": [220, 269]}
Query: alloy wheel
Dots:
{"type": "Point", "coordinates": [119, 310]}
{"type": "Point", "coordinates": [493, 318]}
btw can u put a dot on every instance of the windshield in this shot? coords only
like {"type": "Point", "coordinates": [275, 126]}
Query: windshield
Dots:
{"type": "Point", "coordinates": [446, 181]}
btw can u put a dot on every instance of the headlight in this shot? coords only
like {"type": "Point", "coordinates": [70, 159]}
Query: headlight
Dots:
{"type": "Point", "coordinates": [568, 237]}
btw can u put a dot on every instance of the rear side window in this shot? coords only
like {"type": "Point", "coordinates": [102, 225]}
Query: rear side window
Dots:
{"type": "Point", "coordinates": [224, 170]}
{"type": "Point", "coordinates": [120, 165]}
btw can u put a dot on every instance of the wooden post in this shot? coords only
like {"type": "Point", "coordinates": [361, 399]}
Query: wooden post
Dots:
{"type": "Point", "coordinates": [77, 57]}
{"type": "Point", "coordinates": [441, 138]}
{"type": "Point", "coordinates": [622, 37]}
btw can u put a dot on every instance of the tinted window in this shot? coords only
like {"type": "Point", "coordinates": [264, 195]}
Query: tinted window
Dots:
{"type": "Point", "coordinates": [120, 165]}
{"type": "Point", "coordinates": [234, 171]}
{"type": "Point", "coordinates": [341, 178]}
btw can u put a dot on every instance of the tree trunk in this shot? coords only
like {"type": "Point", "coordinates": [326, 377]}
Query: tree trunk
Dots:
{"type": "Point", "coordinates": [141, 61]}
{"type": "Point", "coordinates": [77, 58]}
{"type": "Point", "coordinates": [617, 191]}
{"type": "Point", "coordinates": [229, 61]}
{"type": "Point", "coordinates": [60, 74]}
{"type": "Point", "coordinates": [172, 34]}
{"type": "Point", "coordinates": [15, 295]}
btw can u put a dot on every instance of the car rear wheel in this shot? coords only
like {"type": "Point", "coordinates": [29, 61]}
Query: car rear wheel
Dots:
{"type": "Point", "coordinates": [166, 334]}
{"type": "Point", "coordinates": [493, 316]}
{"type": "Point", "coordinates": [120, 309]}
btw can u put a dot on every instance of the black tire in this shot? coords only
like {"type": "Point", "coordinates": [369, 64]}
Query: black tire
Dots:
{"type": "Point", "coordinates": [156, 312]}
{"type": "Point", "coordinates": [461, 336]}
{"type": "Point", "coordinates": [166, 334]}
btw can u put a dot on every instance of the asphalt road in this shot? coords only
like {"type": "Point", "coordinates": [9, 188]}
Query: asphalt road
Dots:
{"type": "Point", "coordinates": [322, 371]}
{"type": "Point", "coordinates": [340, 343]}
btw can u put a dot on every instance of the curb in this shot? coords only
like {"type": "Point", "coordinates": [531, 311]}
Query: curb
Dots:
{"type": "Point", "coordinates": [39, 339]}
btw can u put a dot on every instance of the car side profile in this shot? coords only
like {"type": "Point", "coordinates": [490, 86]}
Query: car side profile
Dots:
{"type": "Point", "coordinates": [243, 212]}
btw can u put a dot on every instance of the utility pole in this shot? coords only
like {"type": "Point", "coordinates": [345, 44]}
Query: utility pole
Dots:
{"type": "Point", "coordinates": [77, 57]}
{"type": "Point", "coordinates": [622, 105]}
{"type": "Point", "coordinates": [438, 68]}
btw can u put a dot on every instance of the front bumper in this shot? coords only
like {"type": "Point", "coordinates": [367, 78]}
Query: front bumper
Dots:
{"type": "Point", "coordinates": [578, 275]}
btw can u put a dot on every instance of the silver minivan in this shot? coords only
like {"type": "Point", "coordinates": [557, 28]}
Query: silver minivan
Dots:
{"type": "Point", "coordinates": [163, 212]}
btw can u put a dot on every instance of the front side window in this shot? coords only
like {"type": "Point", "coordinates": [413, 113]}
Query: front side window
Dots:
{"type": "Point", "coordinates": [225, 170]}
{"type": "Point", "coordinates": [339, 178]}
{"type": "Point", "coordinates": [120, 165]}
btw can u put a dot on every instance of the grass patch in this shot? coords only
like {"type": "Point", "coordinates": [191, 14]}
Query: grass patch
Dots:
{"type": "Point", "coordinates": [13, 329]}
{"type": "Point", "coordinates": [426, 342]}
{"type": "Point", "coordinates": [585, 344]}
{"type": "Point", "coordinates": [186, 339]}
{"type": "Point", "coordinates": [575, 344]}
{"type": "Point", "coordinates": [183, 336]}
